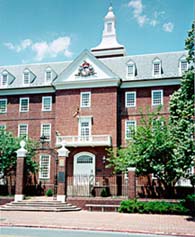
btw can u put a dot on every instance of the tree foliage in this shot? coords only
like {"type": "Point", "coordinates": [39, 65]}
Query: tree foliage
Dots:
{"type": "Point", "coordinates": [8, 160]}
{"type": "Point", "coordinates": [164, 147]}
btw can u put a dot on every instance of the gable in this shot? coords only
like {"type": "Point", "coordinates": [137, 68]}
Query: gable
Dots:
{"type": "Point", "coordinates": [85, 69]}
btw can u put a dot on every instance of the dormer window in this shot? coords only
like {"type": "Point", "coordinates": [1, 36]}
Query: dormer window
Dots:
{"type": "Point", "coordinates": [4, 79]}
{"type": "Point", "coordinates": [26, 77]}
{"type": "Point", "coordinates": [183, 65]}
{"type": "Point", "coordinates": [48, 75]}
{"type": "Point", "coordinates": [156, 67]}
{"type": "Point", "coordinates": [130, 69]}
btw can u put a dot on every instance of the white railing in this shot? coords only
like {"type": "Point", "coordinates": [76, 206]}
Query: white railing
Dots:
{"type": "Point", "coordinates": [93, 140]}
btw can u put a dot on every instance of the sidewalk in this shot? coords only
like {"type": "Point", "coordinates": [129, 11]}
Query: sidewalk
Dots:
{"type": "Point", "coordinates": [110, 221]}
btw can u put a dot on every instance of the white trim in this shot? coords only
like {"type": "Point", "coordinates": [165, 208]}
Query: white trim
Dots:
{"type": "Point", "coordinates": [61, 198]}
{"type": "Point", "coordinates": [4, 73]}
{"type": "Point", "coordinates": [126, 95]}
{"type": "Point", "coordinates": [84, 119]}
{"type": "Point", "coordinates": [49, 166]}
{"type": "Point", "coordinates": [49, 130]}
{"type": "Point", "coordinates": [5, 106]}
{"type": "Point", "coordinates": [161, 98]}
{"type": "Point", "coordinates": [50, 71]}
{"type": "Point", "coordinates": [156, 61]}
{"type": "Point", "coordinates": [19, 129]}
{"type": "Point", "coordinates": [20, 107]}
{"type": "Point", "coordinates": [81, 99]}
{"type": "Point", "coordinates": [130, 63]}
{"type": "Point", "coordinates": [26, 71]}
{"type": "Point", "coordinates": [151, 82]}
{"type": "Point", "coordinates": [182, 60]}
{"type": "Point", "coordinates": [50, 105]}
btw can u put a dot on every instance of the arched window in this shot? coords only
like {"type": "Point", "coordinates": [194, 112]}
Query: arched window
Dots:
{"type": "Point", "coordinates": [130, 69]}
{"type": "Point", "coordinates": [183, 65]}
{"type": "Point", "coordinates": [157, 67]}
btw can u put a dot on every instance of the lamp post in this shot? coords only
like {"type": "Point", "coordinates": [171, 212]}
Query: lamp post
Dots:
{"type": "Point", "coordinates": [43, 140]}
{"type": "Point", "coordinates": [103, 162]}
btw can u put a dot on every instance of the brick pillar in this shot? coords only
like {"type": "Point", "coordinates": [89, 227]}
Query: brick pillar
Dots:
{"type": "Point", "coordinates": [62, 183]}
{"type": "Point", "coordinates": [21, 154]}
{"type": "Point", "coordinates": [131, 183]}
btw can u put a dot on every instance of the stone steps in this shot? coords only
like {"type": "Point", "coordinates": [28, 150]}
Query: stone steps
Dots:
{"type": "Point", "coordinates": [40, 206]}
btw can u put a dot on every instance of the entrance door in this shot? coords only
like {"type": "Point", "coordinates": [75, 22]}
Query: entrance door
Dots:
{"type": "Point", "coordinates": [84, 168]}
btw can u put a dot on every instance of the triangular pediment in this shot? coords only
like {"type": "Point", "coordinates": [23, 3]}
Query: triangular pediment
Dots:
{"type": "Point", "coordinates": [85, 68]}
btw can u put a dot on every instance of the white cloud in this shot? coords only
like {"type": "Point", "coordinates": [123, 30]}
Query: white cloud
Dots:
{"type": "Point", "coordinates": [168, 27]}
{"type": "Point", "coordinates": [43, 49]}
{"type": "Point", "coordinates": [19, 47]}
{"type": "Point", "coordinates": [151, 18]}
{"type": "Point", "coordinates": [137, 7]}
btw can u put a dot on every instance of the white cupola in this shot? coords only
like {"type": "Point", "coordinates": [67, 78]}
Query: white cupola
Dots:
{"type": "Point", "coordinates": [109, 47]}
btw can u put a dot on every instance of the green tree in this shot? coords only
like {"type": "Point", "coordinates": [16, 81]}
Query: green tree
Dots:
{"type": "Point", "coordinates": [164, 148]}
{"type": "Point", "coordinates": [8, 160]}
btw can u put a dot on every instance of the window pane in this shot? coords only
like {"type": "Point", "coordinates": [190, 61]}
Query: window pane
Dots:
{"type": "Point", "coordinates": [131, 70]}
{"type": "Point", "coordinates": [184, 66]}
{"type": "Point", "coordinates": [130, 99]}
{"type": "Point", "coordinates": [84, 160]}
{"type": "Point", "coordinates": [44, 167]}
{"type": "Point", "coordinates": [46, 103]}
{"type": "Point", "coordinates": [4, 80]}
{"type": "Point", "coordinates": [156, 68]}
{"type": "Point", "coordinates": [156, 97]}
{"type": "Point", "coordinates": [23, 132]}
{"type": "Point", "coordinates": [3, 106]}
{"type": "Point", "coordinates": [130, 128]}
{"type": "Point", "coordinates": [26, 77]}
{"type": "Point", "coordinates": [48, 76]}
{"type": "Point", "coordinates": [46, 131]}
{"type": "Point", "coordinates": [85, 99]}
{"type": "Point", "coordinates": [24, 103]}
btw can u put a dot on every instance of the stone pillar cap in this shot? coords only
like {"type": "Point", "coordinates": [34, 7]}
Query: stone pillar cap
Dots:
{"type": "Point", "coordinates": [131, 169]}
{"type": "Point", "coordinates": [63, 151]}
{"type": "Point", "coordinates": [22, 151]}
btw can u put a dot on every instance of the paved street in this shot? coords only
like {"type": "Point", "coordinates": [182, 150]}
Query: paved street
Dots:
{"type": "Point", "coordinates": [110, 221]}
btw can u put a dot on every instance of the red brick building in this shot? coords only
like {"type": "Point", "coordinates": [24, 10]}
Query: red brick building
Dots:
{"type": "Point", "coordinates": [89, 103]}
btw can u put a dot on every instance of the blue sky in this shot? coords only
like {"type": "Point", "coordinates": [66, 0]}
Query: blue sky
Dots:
{"type": "Point", "coordinates": [34, 31]}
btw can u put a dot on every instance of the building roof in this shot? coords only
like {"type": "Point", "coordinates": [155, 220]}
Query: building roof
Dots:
{"type": "Point", "coordinates": [143, 64]}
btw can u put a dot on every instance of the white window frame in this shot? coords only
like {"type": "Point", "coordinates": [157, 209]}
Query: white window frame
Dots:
{"type": "Point", "coordinates": [48, 70]}
{"type": "Point", "coordinates": [131, 64]}
{"type": "Point", "coordinates": [4, 74]}
{"type": "Point", "coordinates": [48, 166]}
{"type": "Point", "coordinates": [161, 98]}
{"type": "Point", "coordinates": [156, 62]}
{"type": "Point", "coordinates": [19, 130]}
{"type": "Point", "coordinates": [22, 110]}
{"type": "Point", "coordinates": [43, 103]}
{"type": "Point", "coordinates": [88, 120]}
{"type": "Point", "coordinates": [43, 133]}
{"type": "Point", "coordinates": [5, 110]}
{"type": "Point", "coordinates": [26, 81]}
{"type": "Point", "coordinates": [129, 105]}
{"type": "Point", "coordinates": [127, 130]}
{"type": "Point", "coordinates": [82, 105]}
{"type": "Point", "coordinates": [181, 61]}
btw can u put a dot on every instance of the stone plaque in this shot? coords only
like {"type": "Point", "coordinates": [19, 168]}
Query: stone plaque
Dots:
{"type": "Point", "coordinates": [61, 177]}
{"type": "Point", "coordinates": [61, 162]}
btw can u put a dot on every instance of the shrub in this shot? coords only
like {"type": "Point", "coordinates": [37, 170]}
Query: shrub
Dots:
{"type": "Point", "coordinates": [189, 203]}
{"type": "Point", "coordinates": [105, 192]}
{"type": "Point", "coordinates": [134, 206]}
{"type": "Point", "coordinates": [49, 193]}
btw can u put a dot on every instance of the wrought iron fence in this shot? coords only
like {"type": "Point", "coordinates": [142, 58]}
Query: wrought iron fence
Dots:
{"type": "Point", "coordinates": [97, 186]}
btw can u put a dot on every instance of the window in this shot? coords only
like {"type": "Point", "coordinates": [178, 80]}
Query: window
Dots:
{"type": "Point", "coordinates": [48, 75]}
{"type": "Point", "coordinates": [157, 97]}
{"type": "Point", "coordinates": [4, 81]}
{"type": "Point", "coordinates": [183, 65]}
{"type": "Point", "coordinates": [23, 130]}
{"type": "Point", "coordinates": [85, 99]}
{"type": "Point", "coordinates": [130, 69]}
{"type": "Point", "coordinates": [46, 131]}
{"type": "Point", "coordinates": [130, 126]}
{"type": "Point", "coordinates": [24, 104]}
{"type": "Point", "coordinates": [46, 103]}
{"type": "Point", "coordinates": [109, 27]}
{"type": "Point", "coordinates": [26, 77]}
{"type": "Point", "coordinates": [3, 106]}
{"type": "Point", "coordinates": [156, 67]}
{"type": "Point", "coordinates": [2, 126]}
{"type": "Point", "coordinates": [84, 159]}
{"type": "Point", "coordinates": [85, 128]}
{"type": "Point", "coordinates": [44, 166]}
{"type": "Point", "coordinates": [130, 99]}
